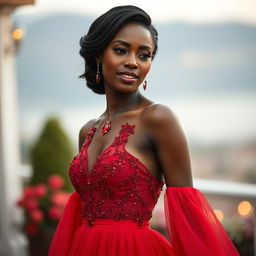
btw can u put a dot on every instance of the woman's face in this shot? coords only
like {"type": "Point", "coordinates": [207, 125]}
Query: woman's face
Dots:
{"type": "Point", "coordinates": [127, 59]}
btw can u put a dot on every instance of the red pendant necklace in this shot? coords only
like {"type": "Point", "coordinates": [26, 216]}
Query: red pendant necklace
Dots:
{"type": "Point", "coordinates": [106, 127]}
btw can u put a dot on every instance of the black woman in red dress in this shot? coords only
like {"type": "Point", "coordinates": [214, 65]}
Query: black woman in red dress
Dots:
{"type": "Point", "coordinates": [126, 156]}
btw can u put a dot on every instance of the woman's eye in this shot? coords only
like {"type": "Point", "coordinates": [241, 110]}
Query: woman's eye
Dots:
{"type": "Point", "coordinates": [119, 50]}
{"type": "Point", "coordinates": [145, 56]}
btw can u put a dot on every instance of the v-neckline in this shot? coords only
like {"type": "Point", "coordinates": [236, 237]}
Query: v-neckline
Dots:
{"type": "Point", "coordinates": [94, 129]}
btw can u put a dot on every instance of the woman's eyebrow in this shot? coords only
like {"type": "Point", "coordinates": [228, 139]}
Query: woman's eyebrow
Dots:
{"type": "Point", "coordinates": [143, 47]}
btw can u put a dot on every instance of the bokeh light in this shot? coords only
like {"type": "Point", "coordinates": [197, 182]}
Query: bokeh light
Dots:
{"type": "Point", "coordinates": [17, 34]}
{"type": "Point", "coordinates": [244, 208]}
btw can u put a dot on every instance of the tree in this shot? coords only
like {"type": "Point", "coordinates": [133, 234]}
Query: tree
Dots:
{"type": "Point", "coordinates": [51, 153]}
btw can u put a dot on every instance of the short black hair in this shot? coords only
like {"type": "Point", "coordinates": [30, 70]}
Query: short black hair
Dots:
{"type": "Point", "coordinates": [100, 34]}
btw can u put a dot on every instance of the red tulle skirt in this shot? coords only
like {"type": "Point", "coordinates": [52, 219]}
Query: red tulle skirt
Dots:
{"type": "Point", "coordinates": [117, 238]}
{"type": "Point", "coordinates": [192, 226]}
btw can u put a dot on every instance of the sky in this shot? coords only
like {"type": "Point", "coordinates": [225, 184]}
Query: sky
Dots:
{"type": "Point", "coordinates": [197, 121]}
{"type": "Point", "coordinates": [195, 11]}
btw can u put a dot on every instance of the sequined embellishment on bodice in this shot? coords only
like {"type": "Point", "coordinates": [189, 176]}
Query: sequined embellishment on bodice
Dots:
{"type": "Point", "coordinates": [119, 186]}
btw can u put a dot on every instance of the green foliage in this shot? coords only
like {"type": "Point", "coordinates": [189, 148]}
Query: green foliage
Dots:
{"type": "Point", "coordinates": [51, 154]}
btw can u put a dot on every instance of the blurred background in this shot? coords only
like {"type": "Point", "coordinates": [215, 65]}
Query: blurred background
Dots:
{"type": "Point", "coordinates": [204, 71]}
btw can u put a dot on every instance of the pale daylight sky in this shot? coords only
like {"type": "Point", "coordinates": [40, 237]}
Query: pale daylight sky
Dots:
{"type": "Point", "coordinates": [199, 11]}
{"type": "Point", "coordinates": [215, 121]}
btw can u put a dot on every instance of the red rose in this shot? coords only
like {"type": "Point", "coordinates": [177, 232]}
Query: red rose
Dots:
{"type": "Point", "coordinates": [55, 181]}
{"type": "Point", "coordinates": [28, 191]}
{"type": "Point", "coordinates": [40, 190]}
{"type": "Point", "coordinates": [31, 229]}
{"type": "Point", "coordinates": [54, 212]}
{"type": "Point", "coordinates": [36, 215]}
{"type": "Point", "coordinates": [21, 202]}
{"type": "Point", "coordinates": [30, 204]}
{"type": "Point", "coordinates": [60, 198]}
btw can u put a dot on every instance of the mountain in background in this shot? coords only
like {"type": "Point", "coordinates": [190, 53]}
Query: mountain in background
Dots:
{"type": "Point", "coordinates": [192, 59]}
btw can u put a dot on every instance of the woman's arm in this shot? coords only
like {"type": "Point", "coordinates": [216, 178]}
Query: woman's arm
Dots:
{"type": "Point", "coordinates": [192, 226]}
{"type": "Point", "coordinates": [165, 131]}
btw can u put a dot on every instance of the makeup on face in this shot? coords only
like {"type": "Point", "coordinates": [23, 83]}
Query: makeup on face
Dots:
{"type": "Point", "coordinates": [127, 59]}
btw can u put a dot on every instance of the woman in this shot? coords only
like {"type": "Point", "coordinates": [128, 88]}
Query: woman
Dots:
{"type": "Point", "coordinates": [125, 154]}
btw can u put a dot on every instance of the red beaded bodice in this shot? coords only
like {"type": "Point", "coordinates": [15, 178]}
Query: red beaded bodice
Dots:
{"type": "Point", "coordinates": [119, 186]}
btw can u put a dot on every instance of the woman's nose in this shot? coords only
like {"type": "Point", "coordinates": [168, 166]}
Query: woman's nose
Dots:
{"type": "Point", "coordinates": [131, 61]}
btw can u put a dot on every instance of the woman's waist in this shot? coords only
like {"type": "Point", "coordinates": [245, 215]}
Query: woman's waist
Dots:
{"type": "Point", "coordinates": [117, 224]}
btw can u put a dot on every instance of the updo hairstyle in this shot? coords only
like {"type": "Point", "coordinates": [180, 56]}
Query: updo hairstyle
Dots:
{"type": "Point", "coordinates": [100, 34]}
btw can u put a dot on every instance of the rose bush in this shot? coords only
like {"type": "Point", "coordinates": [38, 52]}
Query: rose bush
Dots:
{"type": "Point", "coordinates": [43, 205]}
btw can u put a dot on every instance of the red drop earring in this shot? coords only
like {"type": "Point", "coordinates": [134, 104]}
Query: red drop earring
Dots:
{"type": "Point", "coordinates": [98, 73]}
{"type": "Point", "coordinates": [145, 85]}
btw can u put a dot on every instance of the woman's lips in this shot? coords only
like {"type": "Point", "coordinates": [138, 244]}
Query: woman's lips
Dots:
{"type": "Point", "coordinates": [128, 78]}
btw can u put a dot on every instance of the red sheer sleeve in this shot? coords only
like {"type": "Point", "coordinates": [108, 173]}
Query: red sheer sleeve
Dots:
{"type": "Point", "coordinates": [70, 221]}
{"type": "Point", "coordinates": [192, 225]}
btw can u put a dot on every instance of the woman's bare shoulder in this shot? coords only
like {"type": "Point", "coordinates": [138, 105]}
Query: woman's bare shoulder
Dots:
{"type": "Point", "coordinates": [163, 128]}
{"type": "Point", "coordinates": [158, 114]}
{"type": "Point", "coordinates": [84, 131]}
{"type": "Point", "coordinates": [160, 122]}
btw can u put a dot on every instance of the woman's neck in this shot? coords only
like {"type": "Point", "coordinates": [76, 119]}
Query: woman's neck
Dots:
{"type": "Point", "coordinates": [119, 102]}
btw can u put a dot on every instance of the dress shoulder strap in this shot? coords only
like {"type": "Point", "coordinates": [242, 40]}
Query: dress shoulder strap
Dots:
{"type": "Point", "coordinates": [90, 133]}
{"type": "Point", "coordinates": [125, 131]}
{"type": "Point", "coordinates": [89, 136]}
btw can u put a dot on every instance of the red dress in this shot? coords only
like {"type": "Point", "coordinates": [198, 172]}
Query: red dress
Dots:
{"type": "Point", "coordinates": [109, 213]}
